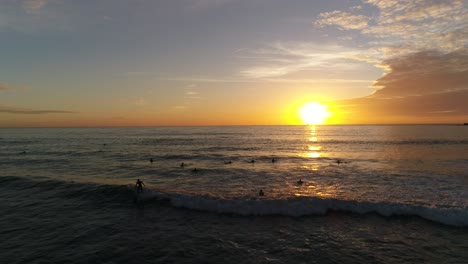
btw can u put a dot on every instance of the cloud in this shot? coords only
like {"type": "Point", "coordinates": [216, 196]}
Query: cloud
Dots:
{"type": "Point", "coordinates": [422, 46]}
{"type": "Point", "coordinates": [449, 107]}
{"type": "Point", "coordinates": [15, 110]}
{"type": "Point", "coordinates": [4, 86]}
{"type": "Point", "coordinates": [34, 6]}
{"type": "Point", "coordinates": [423, 73]}
{"type": "Point", "coordinates": [140, 101]}
{"type": "Point", "coordinates": [343, 19]}
{"type": "Point", "coordinates": [191, 93]}
{"type": "Point", "coordinates": [32, 16]}
{"type": "Point", "coordinates": [427, 84]}
{"type": "Point", "coordinates": [208, 3]}
{"type": "Point", "coordinates": [406, 26]}
{"type": "Point", "coordinates": [283, 58]}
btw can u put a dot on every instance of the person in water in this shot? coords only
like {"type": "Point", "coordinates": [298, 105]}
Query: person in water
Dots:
{"type": "Point", "coordinates": [261, 193]}
{"type": "Point", "coordinates": [182, 165]}
{"type": "Point", "coordinates": [139, 185]}
{"type": "Point", "coordinates": [300, 182]}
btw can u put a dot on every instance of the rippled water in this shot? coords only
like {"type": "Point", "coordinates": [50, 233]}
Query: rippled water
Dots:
{"type": "Point", "coordinates": [410, 171]}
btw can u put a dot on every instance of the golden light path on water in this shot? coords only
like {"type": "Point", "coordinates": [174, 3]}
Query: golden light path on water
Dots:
{"type": "Point", "coordinates": [309, 187]}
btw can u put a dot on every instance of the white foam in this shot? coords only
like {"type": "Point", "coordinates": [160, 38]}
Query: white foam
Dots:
{"type": "Point", "coordinates": [303, 206]}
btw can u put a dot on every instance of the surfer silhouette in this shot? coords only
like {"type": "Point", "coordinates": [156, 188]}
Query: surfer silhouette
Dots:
{"type": "Point", "coordinates": [261, 193]}
{"type": "Point", "coordinates": [139, 185]}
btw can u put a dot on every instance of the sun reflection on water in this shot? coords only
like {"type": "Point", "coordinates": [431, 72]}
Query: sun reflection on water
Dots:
{"type": "Point", "coordinates": [314, 149]}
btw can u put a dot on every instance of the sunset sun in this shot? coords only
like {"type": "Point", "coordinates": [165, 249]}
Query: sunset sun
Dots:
{"type": "Point", "coordinates": [314, 113]}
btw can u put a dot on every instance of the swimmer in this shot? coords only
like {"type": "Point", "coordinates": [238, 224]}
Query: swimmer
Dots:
{"type": "Point", "coordinates": [261, 193]}
{"type": "Point", "coordinates": [195, 170]}
{"type": "Point", "coordinates": [300, 182]}
{"type": "Point", "coordinates": [252, 161]}
{"type": "Point", "coordinates": [151, 160]}
{"type": "Point", "coordinates": [338, 161]}
{"type": "Point", "coordinates": [182, 165]}
{"type": "Point", "coordinates": [273, 160]}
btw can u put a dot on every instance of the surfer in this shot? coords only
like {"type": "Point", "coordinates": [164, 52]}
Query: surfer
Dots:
{"type": "Point", "coordinates": [182, 165]}
{"type": "Point", "coordinates": [194, 170]}
{"type": "Point", "coordinates": [261, 193]}
{"type": "Point", "coordinates": [300, 182]}
{"type": "Point", "coordinates": [273, 160]}
{"type": "Point", "coordinates": [151, 160]}
{"type": "Point", "coordinates": [139, 185]}
{"type": "Point", "coordinates": [252, 161]}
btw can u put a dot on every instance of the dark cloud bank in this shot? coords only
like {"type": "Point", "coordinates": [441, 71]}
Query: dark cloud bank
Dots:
{"type": "Point", "coordinates": [427, 85]}
{"type": "Point", "coordinates": [14, 110]}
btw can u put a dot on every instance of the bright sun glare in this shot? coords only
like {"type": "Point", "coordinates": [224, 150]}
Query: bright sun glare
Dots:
{"type": "Point", "coordinates": [314, 113]}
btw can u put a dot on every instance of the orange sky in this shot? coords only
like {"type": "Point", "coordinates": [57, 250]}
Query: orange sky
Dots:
{"type": "Point", "coordinates": [182, 63]}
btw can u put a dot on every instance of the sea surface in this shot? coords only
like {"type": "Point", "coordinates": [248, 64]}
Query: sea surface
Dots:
{"type": "Point", "coordinates": [333, 194]}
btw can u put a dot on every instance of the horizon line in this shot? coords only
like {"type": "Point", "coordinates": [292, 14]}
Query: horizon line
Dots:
{"type": "Point", "coordinates": [136, 126]}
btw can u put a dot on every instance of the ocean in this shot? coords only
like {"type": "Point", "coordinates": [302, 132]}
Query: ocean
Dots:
{"type": "Point", "coordinates": [332, 194]}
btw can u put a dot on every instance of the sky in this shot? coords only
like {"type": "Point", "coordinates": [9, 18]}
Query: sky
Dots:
{"type": "Point", "coordinates": [231, 62]}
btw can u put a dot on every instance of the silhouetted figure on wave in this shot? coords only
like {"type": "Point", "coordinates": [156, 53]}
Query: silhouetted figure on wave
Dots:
{"type": "Point", "coordinates": [139, 186]}
{"type": "Point", "coordinates": [261, 193]}
{"type": "Point", "coordinates": [182, 165]}
{"type": "Point", "coordinates": [300, 182]}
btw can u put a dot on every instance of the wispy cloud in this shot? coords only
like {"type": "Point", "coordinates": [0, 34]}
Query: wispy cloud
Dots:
{"type": "Point", "coordinates": [26, 111]}
{"type": "Point", "coordinates": [280, 59]}
{"type": "Point", "coordinates": [34, 6]}
{"type": "Point", "coordinates": [140, 101]}
{"type": "Point", "coordinates": [406, 26]}
{"type": "Point", "coordinates": [4, 86]}
{"type": "Point", "coordinates": [208, 3]}
{"type": "Point", "coordinates": [190, 97]}
{"type": "Point", "coordinates": [191, 92]}
{"type": "Point", "coordinates": [32, 16]}
{"type": "Point", "coordinates": [204, 79]}
{"type": "Point", "coordinates": [342, 19]}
